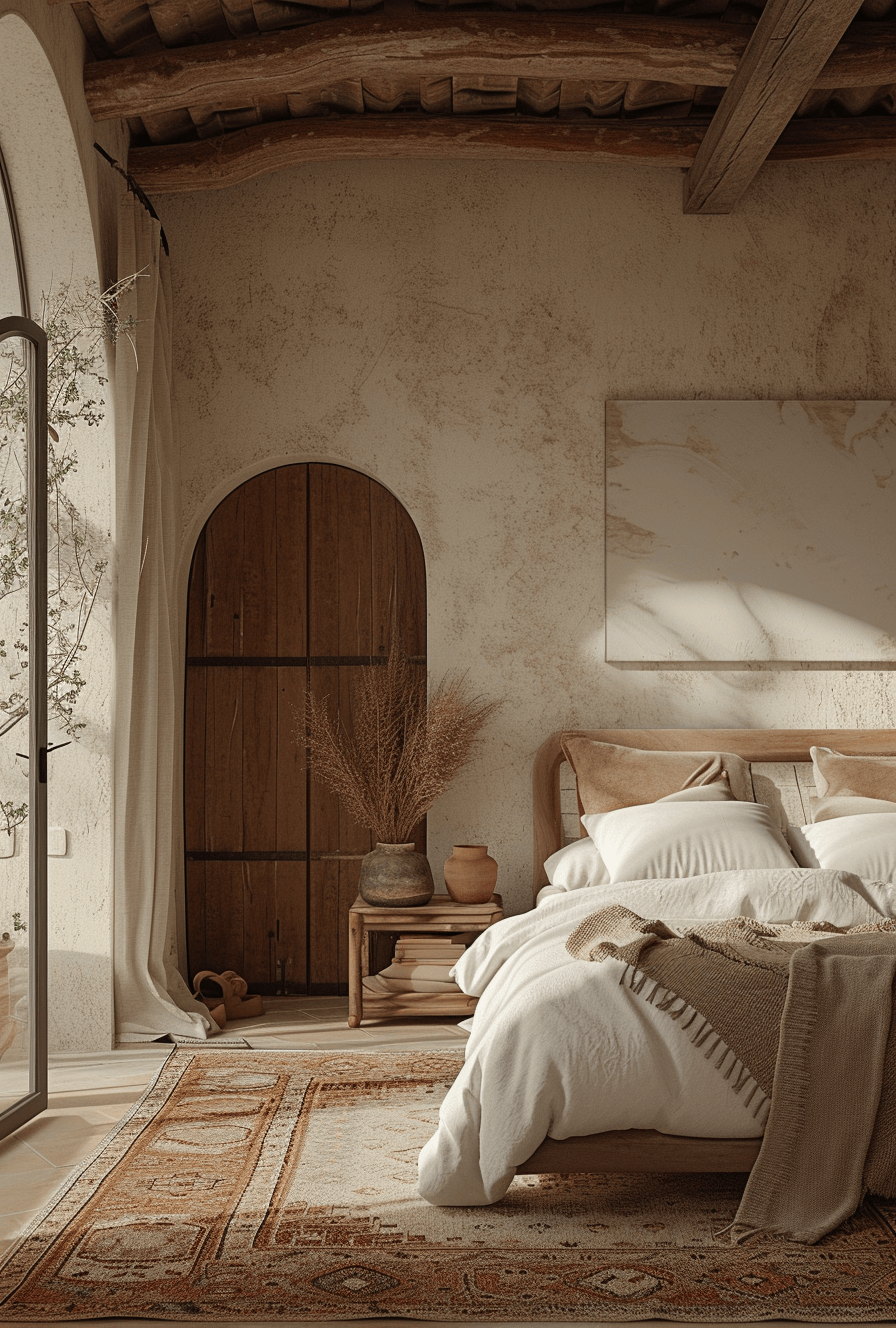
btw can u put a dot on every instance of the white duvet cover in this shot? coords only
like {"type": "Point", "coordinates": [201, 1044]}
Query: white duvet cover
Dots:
{"type": "Point", "coordinates": [558, 1047]}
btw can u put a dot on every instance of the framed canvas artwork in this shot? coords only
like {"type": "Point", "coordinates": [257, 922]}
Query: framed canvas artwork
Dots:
{"type": "Point", "coordinates": [751, 531]}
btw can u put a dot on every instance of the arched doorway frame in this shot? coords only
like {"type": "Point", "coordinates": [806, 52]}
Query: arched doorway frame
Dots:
{"type": "Point", "coordinates": [192, 532]}
{"type": "Point", "coordinates": [15, 236]}
{"type": "Point", "coordinates": [47, 135]}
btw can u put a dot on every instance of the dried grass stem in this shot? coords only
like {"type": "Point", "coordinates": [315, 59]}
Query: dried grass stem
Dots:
{"type": "Point", "coordinates": [402, 750]}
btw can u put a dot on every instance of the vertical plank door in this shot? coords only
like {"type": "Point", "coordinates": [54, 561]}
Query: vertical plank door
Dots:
{"type": "Point", "coordinates": [296, 581]}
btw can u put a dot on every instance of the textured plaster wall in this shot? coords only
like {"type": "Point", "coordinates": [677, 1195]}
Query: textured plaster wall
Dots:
{"type": "Point", "coordinates": [454, 331]}
{"type": "Point", "coordinates": [66, 203]}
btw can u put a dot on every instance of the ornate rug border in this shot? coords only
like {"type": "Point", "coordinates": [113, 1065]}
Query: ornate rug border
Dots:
{"type": "Point", "coordinates": [78, 1171]}
{"type": "Point", "coordinates": [188, 1054]}
{"type": "Point", "coordinates": [180, 1059]}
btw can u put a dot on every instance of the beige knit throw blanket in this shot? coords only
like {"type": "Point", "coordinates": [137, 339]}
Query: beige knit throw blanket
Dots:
{"type": "Point", "coordinates": [801, 1014]}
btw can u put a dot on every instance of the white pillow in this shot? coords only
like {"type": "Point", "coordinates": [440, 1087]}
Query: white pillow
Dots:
{"type": "Point", "coordinates": [865, 845]}
{"type": "Point", "coordinates": [828, 809]}
{"type": "Point", "coordinates": [578, 865]}
{"type": "Point", "coordinates": [799, 847]}
{"type": "Point", "coordinates": [656, 842]}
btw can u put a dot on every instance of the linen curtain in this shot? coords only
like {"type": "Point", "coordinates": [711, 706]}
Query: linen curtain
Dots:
{"type": "Point", "coordinates": [151, 998]}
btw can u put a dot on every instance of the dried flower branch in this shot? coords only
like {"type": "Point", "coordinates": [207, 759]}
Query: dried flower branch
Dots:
{"type": "Point", "coordinates": [12, 815]}
{"type": "Point", "coordinates": [78, 324]}
{"type": "Point", "coordinates": [401, 752]}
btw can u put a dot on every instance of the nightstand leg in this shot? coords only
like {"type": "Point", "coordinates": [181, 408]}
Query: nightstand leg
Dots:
{"type": "Point", "coordinates": [355, 987]}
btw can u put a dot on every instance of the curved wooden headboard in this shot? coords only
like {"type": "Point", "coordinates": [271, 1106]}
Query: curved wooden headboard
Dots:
{"type": "Point", "coordinates": [751, 744]}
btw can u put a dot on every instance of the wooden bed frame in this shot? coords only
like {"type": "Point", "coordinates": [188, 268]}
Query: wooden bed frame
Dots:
{"type": "Point", "coordinates": [648, 1150]}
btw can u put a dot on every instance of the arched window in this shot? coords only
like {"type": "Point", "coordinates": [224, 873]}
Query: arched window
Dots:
{"type": "Point", "coordinates": [48, 240]}
{"type": "Point", "coordinates": [13, 290]}
{"type": "Point", "coordinates": [23, 1073]}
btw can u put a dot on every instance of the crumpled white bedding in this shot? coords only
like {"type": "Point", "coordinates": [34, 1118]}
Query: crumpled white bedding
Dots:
{"type": "Point", "coordinates": [560, 1048]}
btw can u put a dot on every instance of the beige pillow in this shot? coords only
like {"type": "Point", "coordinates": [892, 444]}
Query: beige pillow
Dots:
{"type": "Point", "coordinates": [829, 809]}
{"type": "Point", "coordinates": [718, 792]}
{"type": "Point", "coordinates": [837, 775]}
{"type": "Point", "coordinates": [609, 776]}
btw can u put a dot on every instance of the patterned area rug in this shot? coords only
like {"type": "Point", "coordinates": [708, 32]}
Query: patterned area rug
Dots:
{"type": "Point", "coordinates": [274, 1185]}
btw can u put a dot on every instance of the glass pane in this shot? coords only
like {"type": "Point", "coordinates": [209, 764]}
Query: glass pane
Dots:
{"type": "Point", "coordinates": [15, 1079]}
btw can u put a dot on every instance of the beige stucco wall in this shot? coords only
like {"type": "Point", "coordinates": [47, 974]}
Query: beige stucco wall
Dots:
{"type": "Point", "coordinates": [66, 202]}
{"type": "Point", "coordinates": [454, 331]}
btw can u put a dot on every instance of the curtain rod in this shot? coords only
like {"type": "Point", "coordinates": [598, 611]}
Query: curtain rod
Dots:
{"type": "Point", "coordinates": [138, 192]}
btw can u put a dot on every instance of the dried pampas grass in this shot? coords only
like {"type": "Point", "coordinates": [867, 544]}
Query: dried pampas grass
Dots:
{"type": "Point", "coordinates": [402, 751]}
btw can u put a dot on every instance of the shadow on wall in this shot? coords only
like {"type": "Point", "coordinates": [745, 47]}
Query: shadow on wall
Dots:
{"type": "Point", "coordinates": [79, 986]}
{"type": "Point", "coordinates": [659, 619]}
{"type": "Point", "coordinates": [739, 694]}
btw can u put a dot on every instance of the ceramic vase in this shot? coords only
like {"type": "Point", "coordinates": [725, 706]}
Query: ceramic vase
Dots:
{"type": "Point", "coordinates": [396, 876]}
{"type": "Point", "coordinates": [470, 874]}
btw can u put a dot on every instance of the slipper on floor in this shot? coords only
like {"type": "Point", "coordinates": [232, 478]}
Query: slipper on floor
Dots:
{"type": "Point", "coordinates": [243, 1005]}
{"type": "Point", "coordinates": [227, 989]}
{"type": "Point", "coordinates": [218, 1014]}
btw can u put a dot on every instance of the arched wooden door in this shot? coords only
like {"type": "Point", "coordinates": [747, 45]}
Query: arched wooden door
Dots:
{"type": "Point", "coordinates": [293, 583]}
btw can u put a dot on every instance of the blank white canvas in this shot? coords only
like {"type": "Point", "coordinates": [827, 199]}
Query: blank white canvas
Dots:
{"type": "Point", "coordinates": [751, 530]}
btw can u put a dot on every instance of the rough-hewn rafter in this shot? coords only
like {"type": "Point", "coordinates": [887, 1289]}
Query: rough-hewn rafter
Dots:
{"type": "Point", "coordinates": [261, 149]}
{"type": "Point", "coordinates": [790, 45]}
{"type": "Point", "coordinates": [226, 75]}
{"type": "Point", "coordinates": [233, 158]}
{"type": "Point", "coordinates": [847, 138]}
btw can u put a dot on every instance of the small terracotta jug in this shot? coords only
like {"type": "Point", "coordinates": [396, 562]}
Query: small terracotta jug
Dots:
{"type": "Point", "coordinates": [470, 874]}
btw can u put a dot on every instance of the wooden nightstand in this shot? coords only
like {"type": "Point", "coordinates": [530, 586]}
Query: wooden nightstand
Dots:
{"type": "Point", "coordinates": [439, 917]}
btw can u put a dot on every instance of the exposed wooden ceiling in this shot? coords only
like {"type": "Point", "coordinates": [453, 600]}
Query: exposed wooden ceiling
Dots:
{"type": "Point", "coordinates": [219, 91]}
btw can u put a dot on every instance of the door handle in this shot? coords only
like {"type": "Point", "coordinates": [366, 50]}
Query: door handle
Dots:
{"type": "Point", "coordinates": [43, 753]}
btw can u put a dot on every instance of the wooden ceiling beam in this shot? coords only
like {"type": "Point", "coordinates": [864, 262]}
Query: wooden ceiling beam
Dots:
{"type": "Point", "coordinates": [231, 74]}
{"type": "Point", "coordinates": [232, 158]}
{"type": "Point", "coordinates": [224, 75]}
{"type": "Point", "coordinates": [790, 46]}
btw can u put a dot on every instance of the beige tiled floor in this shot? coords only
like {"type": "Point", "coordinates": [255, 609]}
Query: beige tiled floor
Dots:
{"type": "Point", "coordinates": [90, 1093]}
{"type": "Point", "coordinates": [322, 1023]}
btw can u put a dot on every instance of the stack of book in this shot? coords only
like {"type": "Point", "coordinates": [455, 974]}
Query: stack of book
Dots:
{"type": "Point", "coordinates": [421, 963]}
